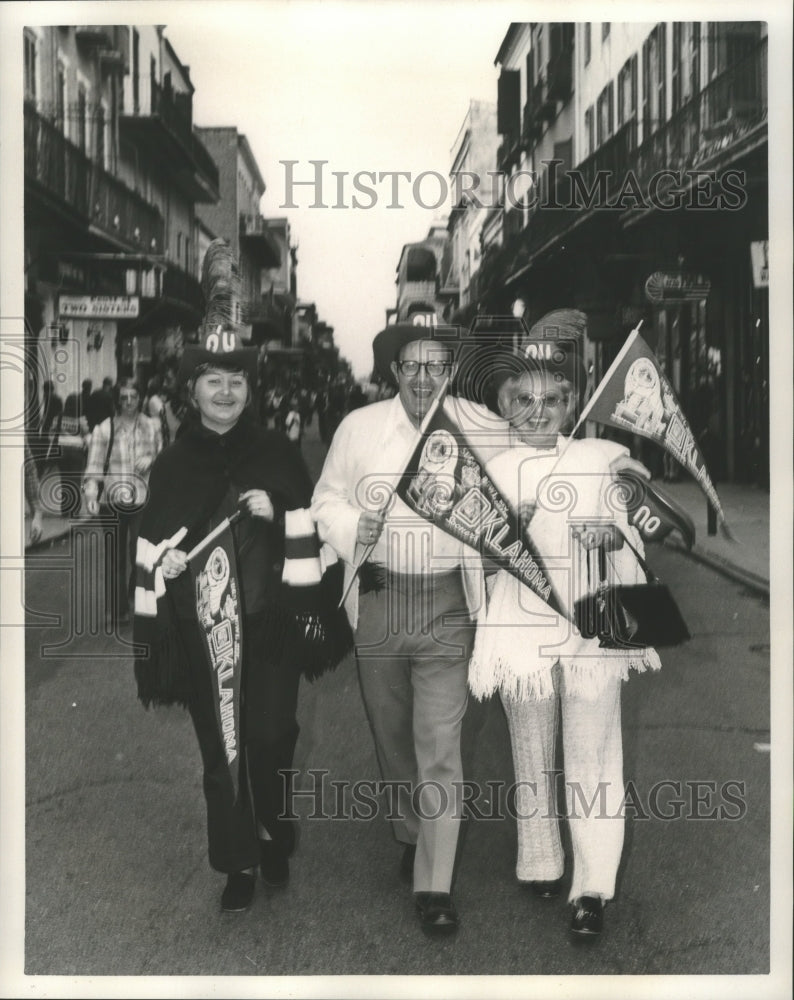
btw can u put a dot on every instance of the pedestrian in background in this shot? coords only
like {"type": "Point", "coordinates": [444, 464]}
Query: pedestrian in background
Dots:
{"type": "Point", "coordinates": [154, 407]}
{"type": "Point", "coordinates": [73, 440]}
{"type": "Point", "coordinates": [530, 655]}
{"type": "Point", "coordinates": [101, 404]}
{"type": "Point", "coordinates": [33, 495]}
{"type": "Point", "coordinates": [293, 422]}
{"type": "Point", "coordinates": [51, 410]}
{"type": "Point", "coordinates": [115, 485]}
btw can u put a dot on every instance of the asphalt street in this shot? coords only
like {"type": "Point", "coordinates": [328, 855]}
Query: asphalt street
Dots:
{"type": "Point", "coordinates": [117, 878]}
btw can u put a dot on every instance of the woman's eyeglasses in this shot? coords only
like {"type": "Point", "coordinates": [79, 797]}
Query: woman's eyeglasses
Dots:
{"type": "Point", "coordinates": [549, 400]}
{"type": "Point", "coordinates": [433, 368]}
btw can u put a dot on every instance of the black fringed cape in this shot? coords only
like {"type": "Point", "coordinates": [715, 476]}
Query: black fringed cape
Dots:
{"type": "Point", "coordinates": [189, 483]}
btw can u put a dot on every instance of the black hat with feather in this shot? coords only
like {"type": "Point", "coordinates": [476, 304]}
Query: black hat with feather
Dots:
{"type": "Point", "coordinates": [220, 343]}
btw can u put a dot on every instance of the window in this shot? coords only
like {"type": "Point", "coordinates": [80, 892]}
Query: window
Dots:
{"type": "Point", "coordinates": [31, 52]}
{"type": "Point", "coordinates": [605, 122]}
{"type": "Point", "coordinates": [187, 253]}
{"type": "Point", "coordinates": [179, 246]}
{"type": "Point", "coordinates": [627, 91]}
{"type": "Point", "coordinates": [604, 31]}
{"type": "Point", "coordinates": [686, 62]}
{"type": "Point", "coordinates": [587, 42]}
{"type": "Point", "coordinates": [60, 97]}
{"type": "Point", "coordinates": [136, 70]}
{"type": "Point", "coordinates": [653, 81]}
{"type": "Point", "coordinates": [100, 135]}
{"type": "Point", "coordinates": [82, 112]}
{"type": "Point", "coordinates": [589, 130]}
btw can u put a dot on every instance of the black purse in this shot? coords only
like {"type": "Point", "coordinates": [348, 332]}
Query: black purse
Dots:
{"type": "Point", "coordinates": [629, 616]}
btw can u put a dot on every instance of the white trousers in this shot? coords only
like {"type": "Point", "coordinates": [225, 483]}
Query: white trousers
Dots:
{"type": "Point", "coordinates": [593, 770]}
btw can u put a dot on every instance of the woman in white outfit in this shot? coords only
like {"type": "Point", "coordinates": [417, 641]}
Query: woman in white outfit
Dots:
{"type": "Point", "coordinates": [536, 660]}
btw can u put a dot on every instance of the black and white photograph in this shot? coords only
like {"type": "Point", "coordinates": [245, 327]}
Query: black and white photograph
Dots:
{"type": "Point", "coordinates": [396, 475]}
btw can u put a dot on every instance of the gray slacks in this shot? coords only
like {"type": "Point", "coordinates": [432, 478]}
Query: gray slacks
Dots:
{"type": "Point", "coordinates": [413, 644]}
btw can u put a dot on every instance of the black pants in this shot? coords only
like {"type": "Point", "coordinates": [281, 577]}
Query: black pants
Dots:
{"type": "Point", "coordinates": [269, 732]}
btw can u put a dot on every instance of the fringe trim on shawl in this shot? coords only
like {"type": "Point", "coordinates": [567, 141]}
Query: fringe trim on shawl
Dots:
{"type": "Point", "coordinates": [582, 676]}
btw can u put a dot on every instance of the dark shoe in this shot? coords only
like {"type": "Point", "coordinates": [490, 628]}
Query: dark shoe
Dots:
{"type": "Point", "coordinates": [407, 863]}
{"type": "Point", "coordinates": [587, 918]}
{"type": "Point", "coordinates": [547, 889]}
{"type": "Point", "coordinates": [239, 892]}
{"type": "Point", "coordinates": [437, 914]}
{"type": "Point", "coordinates": [273, 864]}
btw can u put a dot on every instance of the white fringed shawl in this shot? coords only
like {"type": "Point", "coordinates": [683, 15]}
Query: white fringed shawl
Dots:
{"type": "Point", "coordinates": [520, 640]}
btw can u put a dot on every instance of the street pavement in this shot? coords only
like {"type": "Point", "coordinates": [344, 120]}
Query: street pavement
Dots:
{"type": "Point", "coordinates": [117, 881]}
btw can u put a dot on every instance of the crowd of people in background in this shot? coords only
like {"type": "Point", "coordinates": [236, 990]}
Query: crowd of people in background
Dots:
{"type": "Point", "coordinates": [58, 448]}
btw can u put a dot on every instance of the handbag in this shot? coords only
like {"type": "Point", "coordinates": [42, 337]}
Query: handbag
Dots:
{"type": "Point", "coordinates": [629, 616]}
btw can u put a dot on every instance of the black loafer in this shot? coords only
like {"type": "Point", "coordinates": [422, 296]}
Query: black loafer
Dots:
{"type": "Point", "coordinates": [407, 863]}
{"type": "Point", "coordinates": [587, 917]}
{"type": "Point", "coordinates": [273, 864]}
{"type": "Point", "coordinates": [546, 889]}
{"type": "Point", "coordinates": [239, 892]}
{"type": "Point", "coordinates": [437, 914]}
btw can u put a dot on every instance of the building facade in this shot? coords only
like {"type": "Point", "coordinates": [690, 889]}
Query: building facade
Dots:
{"type": "Point", "coordinates": [236, 218]}
{"type": "Point", "coordinates": [113, 171]}
{"type": "Point", "coordinates": [475, 187]}
{"type": "Point", "coordinates": [635, 166]}
{"type": "Point", "coordinates": [422, 299]}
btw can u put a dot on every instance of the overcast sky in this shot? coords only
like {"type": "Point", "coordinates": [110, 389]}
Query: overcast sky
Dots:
{"type": "Point", "coordinates": [366, 87]}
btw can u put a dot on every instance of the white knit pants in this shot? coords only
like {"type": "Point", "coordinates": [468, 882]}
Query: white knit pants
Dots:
{"type": "Point", "coordinates": [593, 766]}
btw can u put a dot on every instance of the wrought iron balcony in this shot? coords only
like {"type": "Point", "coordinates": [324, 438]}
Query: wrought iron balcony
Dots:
{"type": "Point", "coordinates": [721, 122]}
{"type": "Point", "coordinates": [99, 35]}
{"type": "Point", "coordinates": [560, 75]}
{"type": "Point", "coordinates": [181, 287]}
{"type": "Point", "coordinates": [540, 103]}
{"type": "Point", "coordinates": [256, 238]}
{"type": "Point", "coordinates": [508, 153]}
{"type": "Point", "coordinates": [76, 184]}
{"type": "Point", "coordinates": [163, 119]}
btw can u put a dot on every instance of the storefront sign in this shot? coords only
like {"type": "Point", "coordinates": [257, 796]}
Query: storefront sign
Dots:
{"type": "Point", "coordinates": [676, 286]}
{"type": "Point", "coordinates": [759, 254]}
{"type": "Point", "coordinates": [99, 306]}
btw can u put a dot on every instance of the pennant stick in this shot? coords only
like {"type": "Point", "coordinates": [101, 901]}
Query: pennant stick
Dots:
{"type": "Point", "coordinates": [385, 506]}
{"type": "Point", "coordinates": [225, 523]}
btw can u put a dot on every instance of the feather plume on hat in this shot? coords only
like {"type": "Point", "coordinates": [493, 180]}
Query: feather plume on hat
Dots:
{"type": "Point", "coordinates": [220, 341]}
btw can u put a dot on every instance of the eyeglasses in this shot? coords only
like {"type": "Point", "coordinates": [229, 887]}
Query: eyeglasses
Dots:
{"type": "Point", "coordinates": [549, 400]}
{"type": "Point", "coordinates": [433, 368]}
{"type": "Point", "coordinates": [128, 396]}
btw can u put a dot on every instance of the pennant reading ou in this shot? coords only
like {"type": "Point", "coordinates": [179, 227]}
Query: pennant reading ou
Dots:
{"type": "Point", "coordinates": [635, 396]}
{"type": "Point", "coordinates": [445, 483]}
{"type": "Point", "coordinates": [218, 610]}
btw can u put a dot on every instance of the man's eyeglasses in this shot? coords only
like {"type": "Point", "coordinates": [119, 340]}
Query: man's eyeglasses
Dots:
{"type": "Point", "coordinates": [128, 396]}
{"type": "Point", "coordinates": [433, 368]}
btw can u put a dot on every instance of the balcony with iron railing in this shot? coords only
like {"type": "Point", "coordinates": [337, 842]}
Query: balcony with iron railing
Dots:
{"type": "Point", "coordinates": [542, 107]}
{"type": "Point", "coordinates": [179, 286]}
{"type": "Point", "coordinates": [73, 182]}
{"type": "Point", "coordinates": [258, 241]}
{"type": "Point", "coordinates": [560, 74]}
{"type": "Point", "coordinates": [162, 115]}
{"type": "Point", "coordinates": [721, 122]}
{"type": "Point", "coordinates": [718, 124]}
